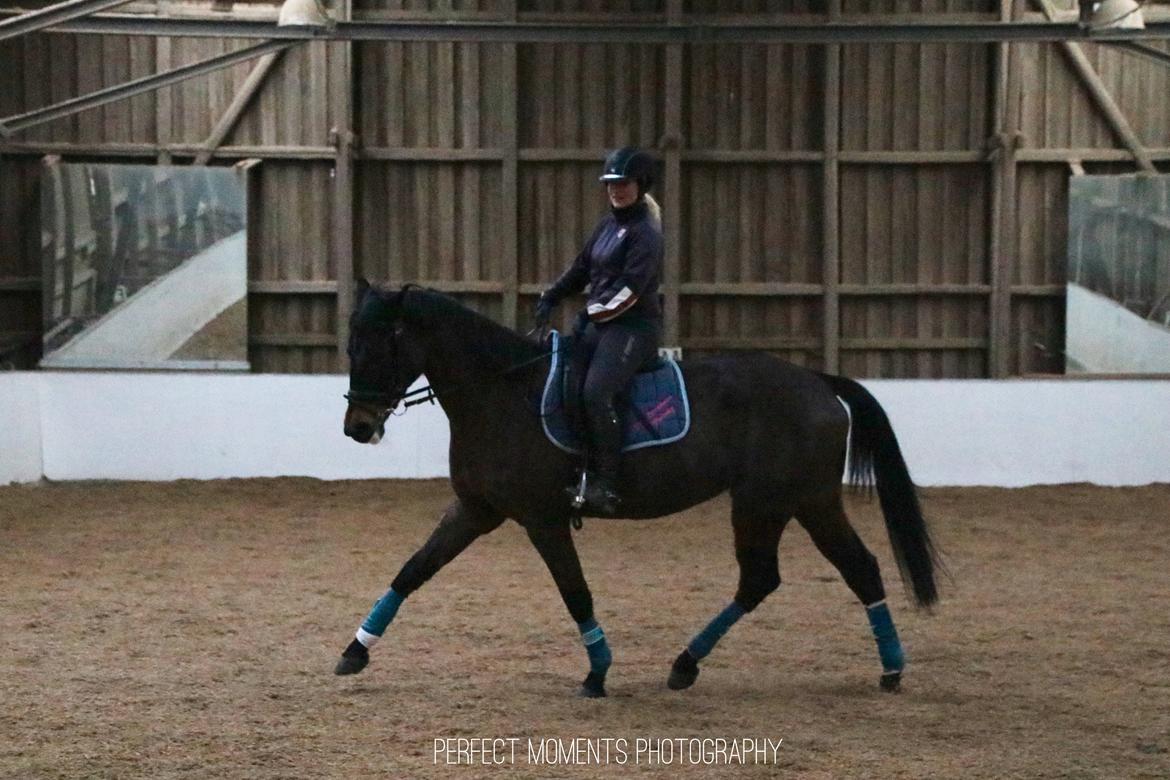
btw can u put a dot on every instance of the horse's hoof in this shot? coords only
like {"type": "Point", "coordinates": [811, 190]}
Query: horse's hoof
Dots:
{"type": "Point", "coordinates": [348, 665]}
{"type": "Point", "coordinates": [892, 682]}
{"type": "Point", "coordinates": [593, 687]}
{"type": "Point", "coordinates": [683, 672]}
{"type": "Point", "coordinates": [355, 658]}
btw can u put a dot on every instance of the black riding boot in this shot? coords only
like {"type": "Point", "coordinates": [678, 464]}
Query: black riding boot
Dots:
{"type": "Point", "coordinates": [605, 456]}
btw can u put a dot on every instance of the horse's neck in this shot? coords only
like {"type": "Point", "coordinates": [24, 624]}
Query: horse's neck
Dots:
{"type": "Point", "coordinates": [468, 375]}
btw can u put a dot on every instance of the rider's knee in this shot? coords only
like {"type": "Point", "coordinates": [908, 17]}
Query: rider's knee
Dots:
{"type": "Point", "coordinates": [597, 400]}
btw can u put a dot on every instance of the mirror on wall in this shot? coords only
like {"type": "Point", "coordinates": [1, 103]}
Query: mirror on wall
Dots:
{"type": "Point", "coordinates": [1118, 309]}
{"type": "Point", "coordinates": [144, 267]}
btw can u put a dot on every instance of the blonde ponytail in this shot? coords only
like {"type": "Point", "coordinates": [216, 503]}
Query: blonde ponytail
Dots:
{"type": "Point", "coordinates": [655, 209]}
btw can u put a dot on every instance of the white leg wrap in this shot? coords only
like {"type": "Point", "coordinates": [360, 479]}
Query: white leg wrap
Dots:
{"type": "Point", "coordinates": [366, 638]}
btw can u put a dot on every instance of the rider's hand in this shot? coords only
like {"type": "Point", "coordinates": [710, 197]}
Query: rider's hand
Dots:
{"type": "Point", "coordinates": [543, 310]}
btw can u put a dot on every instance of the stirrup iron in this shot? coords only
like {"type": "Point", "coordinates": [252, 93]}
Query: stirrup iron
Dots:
{"type": "Point", "coordinates": [578, 501]}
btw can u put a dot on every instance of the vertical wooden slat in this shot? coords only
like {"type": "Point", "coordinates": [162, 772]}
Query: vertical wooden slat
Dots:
{"type": "Point", "coordinates": [748, 111]}
{"type": "Point", "coordinates": [509, 254]}
{"type": "Point", "coordinates": [1007, 97]}
{"type": "Point", "coordinates": [648, 96]}
{"type": "Point", "coordinates": [164, 60]}
{"type": "Point", "coordinates": [394, 114]}
{"type": "Point", "coordinates": [836, 88]}
{"type": "Point", "coordinates": [33, 53]}
{"type": "Point", "coordinates": [62, 84]}
{"type": "Point", "coordinates": [926, 255]}
{"type": "Point", "coordinates": [469, 125]}
{"type": "Point", "coordinates": [593, 103]}
{"type": "Point", "coordinates": [444, 98]}
{"type": "Point", "coordinates": [341, 102]}
{"type": "Point", "coordinates": [621, 97]}
{"type": "Point", "coordinates": [320, 61]}
{"type": "Point", "coordinates": [801, 87]}
{"type": "Point", "coordinates": [568, 79]}
{"type": "Point", "coordinates": [89, 79]}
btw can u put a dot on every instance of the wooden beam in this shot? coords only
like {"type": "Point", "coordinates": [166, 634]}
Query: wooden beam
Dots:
{"type": "Point", "coordinates": [430, 15]}
{"type": "Point", "coordinates": [472, 286]}
{"type": "Point", "coordinates": [584, 17]}
{"type": "Point", "coordinates": [812, 343]}
{"type": "Point", "coordinates": [549, 154]}
{"type": "Point", "coordinates": [293, 340]}
{"type": "Point", "coordinates": [236, 109]}
{"type": "Point", "coordinates": [1038, 290]}
{"type": "Point", "coordinates": [778, 289]}
{"type": "Point", "coordinates": [419, 154]}
{"type": "Point", "coordinates": [794, 343]}
{"type": "Point", "coordinates": [912, 288]}
{"type": "Point", "coordinates": [281, 152]}
{"type": "Point", "coordinates": [1064, 155]}
{"type": "Point", "coordinates": [1100, 95]}
{"type": "Point", "coordinates": [329, 286]}
{"type": "Point", "coordinates": [20, 284]}
{"type": "Point", "coordinates": [750, 288]}
{"type": "Point", "coordinates": [917, 157]}
{"type": "Point", "coordinates": [291, 287]}
{"type": "Point", "coordinates": [896, 343]}
{"type": "Point", "coordinates": [752, 156]}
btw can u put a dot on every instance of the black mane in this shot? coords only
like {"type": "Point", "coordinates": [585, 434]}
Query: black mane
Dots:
{"type": "Point", "coordinates": [495, 345]}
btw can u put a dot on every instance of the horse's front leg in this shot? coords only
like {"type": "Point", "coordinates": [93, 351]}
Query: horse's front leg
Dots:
{"type": "Point", "coordinates": [460, 525]}
{"type": "Point", "coordinates": [555, 545]}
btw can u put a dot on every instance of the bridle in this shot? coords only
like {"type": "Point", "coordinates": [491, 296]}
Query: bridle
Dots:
{"type": "Point", "coordinates": [382, 402]}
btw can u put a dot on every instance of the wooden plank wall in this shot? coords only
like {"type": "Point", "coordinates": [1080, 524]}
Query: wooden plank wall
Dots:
{"type": "Point", "coordinates": [848, 207]}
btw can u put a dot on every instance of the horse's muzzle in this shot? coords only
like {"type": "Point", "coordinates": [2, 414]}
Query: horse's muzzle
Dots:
{"type": "Point", "coordinates": [364, 433]}
{"type": "Point", "coordinates": [362, 428]}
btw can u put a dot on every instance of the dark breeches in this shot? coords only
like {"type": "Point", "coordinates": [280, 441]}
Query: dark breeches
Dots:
{"type": "Point", "coordinates": [607, 358]}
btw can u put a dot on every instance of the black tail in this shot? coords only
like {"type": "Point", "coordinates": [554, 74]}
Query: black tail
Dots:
{"type": "Point", "coordinates": [876, 459]}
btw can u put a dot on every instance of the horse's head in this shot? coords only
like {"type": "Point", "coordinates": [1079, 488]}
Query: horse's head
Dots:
{"type": "Point", "coordinates": [383, 362]}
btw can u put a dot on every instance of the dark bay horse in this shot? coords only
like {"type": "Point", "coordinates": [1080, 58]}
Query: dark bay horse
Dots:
{"type": "Point", "coordinates": [771, 433]}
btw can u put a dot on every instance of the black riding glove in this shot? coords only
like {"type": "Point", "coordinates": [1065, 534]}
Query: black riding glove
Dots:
{"type": "Point", "coordinates": [544, 308]}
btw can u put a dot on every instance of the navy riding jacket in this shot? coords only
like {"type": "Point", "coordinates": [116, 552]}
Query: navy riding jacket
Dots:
{"type": "Point", "coordinates": [622, 264]}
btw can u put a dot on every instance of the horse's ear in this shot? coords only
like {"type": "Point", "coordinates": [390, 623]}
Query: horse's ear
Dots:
{"type": "Point", "coordinates": [360, 288]}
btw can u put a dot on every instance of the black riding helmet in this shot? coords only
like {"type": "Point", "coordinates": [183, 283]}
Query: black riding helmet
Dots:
{"type": "Point", "coordinates": [629, 162]}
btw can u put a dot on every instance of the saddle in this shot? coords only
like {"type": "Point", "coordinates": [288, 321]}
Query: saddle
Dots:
{"type": "Point", "coordinates": [654, 407]}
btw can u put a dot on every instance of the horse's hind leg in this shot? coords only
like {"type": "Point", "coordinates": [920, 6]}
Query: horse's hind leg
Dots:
{"type": "Point", "coordinates": [757, 539]}
{"type": "Point", "coordinates": [461, 524]}
{"type": "Point", "coordinates": [554, 542]}
{"type": "Point", "coordinates": [829, 527]}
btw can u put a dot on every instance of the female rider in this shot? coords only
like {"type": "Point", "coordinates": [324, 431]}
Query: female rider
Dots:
{"type": "Point", "coordinates": [621, 327]}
